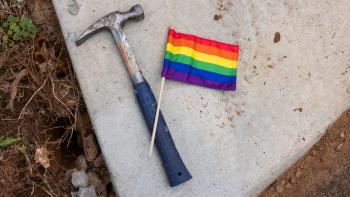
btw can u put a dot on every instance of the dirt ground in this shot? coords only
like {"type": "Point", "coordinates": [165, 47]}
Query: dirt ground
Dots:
{"type": "Point", "coordinates": [323, 171]}
{"type": "Point", "coordinates": [41, 105]}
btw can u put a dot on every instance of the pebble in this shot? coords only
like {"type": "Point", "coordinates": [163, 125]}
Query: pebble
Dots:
{"type": "Point", "coordinates": [283, 182]}
{"type": "Point", "coordinates": [81, 164]}
{"type": "Point", "coordinates": [104, 173]}
{"type": "Point", "coordinates": [97, 183]}
{"type": "Point", "coordinates": [342, 135]}
{"type": "Point", "coordinates": [314, 152]}
{"type": "Point", "coordinates": [288, 185]}
{"type": "Point", "coordinates": [80, 179]}
{"type": "Point", "coordinates": [98, 162]}
{"type": "Point", "coordinates": [298, 173]}
{"type": "Point", "coordinates": [277, 37]}
{"type": "Point", "coordinates": [339, 147]}
{"type": "Point", "coordinates": [86, 192]}
{"type": "Point", "coordinates": [90, 148]}
{"type": "Point", "coordinates": [65, 182]}
{"type": "Point", "coordinates": [293, 180]}
{"type": "Point", "coordinates": [279, 189]}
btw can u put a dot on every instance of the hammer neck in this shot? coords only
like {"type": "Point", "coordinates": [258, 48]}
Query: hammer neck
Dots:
{"type": "Point", "coordinates": [129, 59]}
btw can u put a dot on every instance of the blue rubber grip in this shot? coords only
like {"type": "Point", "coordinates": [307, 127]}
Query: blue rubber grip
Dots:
{"type": "Point", "coordinates": [175, 168]}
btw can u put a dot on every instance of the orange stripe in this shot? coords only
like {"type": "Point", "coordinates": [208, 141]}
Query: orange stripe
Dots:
{"type": "Point", "coordinates": [203, 48]}
{"type": "Point", "coordinates": [204, 41]}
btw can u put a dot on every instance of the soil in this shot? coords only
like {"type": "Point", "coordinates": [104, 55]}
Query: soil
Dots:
{"type": "Point", "coordinates": [322, 171]}
{"type": "Point", "coordinates": [217, 17]}
{"type": "Point", "coordinates": [277, 37]}
{"type": "Point", "coordinates": [40, 103]}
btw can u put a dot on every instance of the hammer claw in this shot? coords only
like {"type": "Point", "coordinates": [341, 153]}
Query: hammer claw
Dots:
{"type": "Point", "coordinates": [89, 32]}
{"type": "Point", "coordinates": [113, 21]}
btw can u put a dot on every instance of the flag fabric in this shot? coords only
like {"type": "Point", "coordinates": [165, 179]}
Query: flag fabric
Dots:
{"type": "Point", "coordinates": [200, 61]}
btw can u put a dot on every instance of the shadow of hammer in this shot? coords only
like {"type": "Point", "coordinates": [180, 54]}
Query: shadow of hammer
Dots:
{"type": "Point", "coordinates": [175, 168]}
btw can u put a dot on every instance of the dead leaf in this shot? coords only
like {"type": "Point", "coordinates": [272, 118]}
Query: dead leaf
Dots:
{"type": "Point", "coordinates": [43, 15]}
{"type": "Point", "coordinates": [47, 66]}
{"type": "Point", "coordinates": [44, 51]}
{"type": "Point", "coordinates": [42, 157]}
{"type": "Point", "coordinates": [42, 12]}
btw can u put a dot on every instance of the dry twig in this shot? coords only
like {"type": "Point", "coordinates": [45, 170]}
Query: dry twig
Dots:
{"type": "Point", "coordinates": [20, 115]}
{"type": "Point", "coordinates": [13, 89]}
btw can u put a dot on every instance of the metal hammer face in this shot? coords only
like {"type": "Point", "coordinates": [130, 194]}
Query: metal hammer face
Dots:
{"type": "Point", "coordinates": [113, 21]}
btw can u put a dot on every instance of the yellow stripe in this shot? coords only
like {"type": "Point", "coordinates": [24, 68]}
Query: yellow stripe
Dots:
{"type": "Point", "coordinates": [201, 56]}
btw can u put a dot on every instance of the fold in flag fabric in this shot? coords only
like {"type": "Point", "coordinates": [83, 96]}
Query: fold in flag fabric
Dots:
{"type": "Point", "coordinates": [200, 61]}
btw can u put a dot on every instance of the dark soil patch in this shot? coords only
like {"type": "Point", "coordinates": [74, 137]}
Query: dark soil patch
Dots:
{"type": "Point", "coordinates": [217, 17]}
{"type": "Point", "coordinates": [277, 37]}
{"type": "Point", "coordinates": [323, 171]}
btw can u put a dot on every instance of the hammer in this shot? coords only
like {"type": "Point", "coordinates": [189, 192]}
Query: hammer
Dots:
{"type": "Point", "coordinates": [175, 168]}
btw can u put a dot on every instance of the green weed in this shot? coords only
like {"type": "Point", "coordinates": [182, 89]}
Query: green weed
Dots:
{"type": "Point", "coordinates": [16, 29]}
{"type": "Point", "coordinates": [6, 141]}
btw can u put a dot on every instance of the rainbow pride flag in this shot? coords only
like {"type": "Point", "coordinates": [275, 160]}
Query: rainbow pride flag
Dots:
{"type": "Point", "coordinates": [200, 61]}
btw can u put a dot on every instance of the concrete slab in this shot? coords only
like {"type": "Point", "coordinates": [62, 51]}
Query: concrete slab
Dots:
{"type": "Point", "coordinates": [234, 143]}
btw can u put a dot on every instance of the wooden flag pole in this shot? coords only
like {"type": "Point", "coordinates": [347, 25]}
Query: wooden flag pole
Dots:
{"type": "Point", "coordinates": [157, 116]}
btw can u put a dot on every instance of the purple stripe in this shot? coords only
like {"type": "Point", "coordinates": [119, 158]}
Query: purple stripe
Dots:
{"type": "Point", "coordinates": [188, 78]}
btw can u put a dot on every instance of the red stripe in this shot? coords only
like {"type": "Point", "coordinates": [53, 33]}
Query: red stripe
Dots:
{"type": "Point", "coordinates": [212, 43]}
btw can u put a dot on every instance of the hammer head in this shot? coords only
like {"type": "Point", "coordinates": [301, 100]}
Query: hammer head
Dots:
{"type": "Point", "coordinates": [113, 21]}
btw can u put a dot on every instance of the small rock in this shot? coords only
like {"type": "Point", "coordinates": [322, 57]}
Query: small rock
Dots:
{"type": "Point", "coordinates": [80, 179]}
{"type": "Point", "coordinates": [298, 173]}
{"type": "Point", "coordinates": [288, 185]}
{"type": "Point", "coordinates": [277, 37]}
{"type": "Point", "coordinates": [94, 179]}
{"type": "Point", "coordinates": [81, 164]}
{"type": "Point", "coordinates": [283, 182]}
{"type": "Point", "coordinates": [112, 195]}
{"type": "Point", "coordinates": [339, 147]}
{"type": "Point", "coordinates": [90, 148]}
{"type": "Point", "coordinates": [97, 183]}
{"type": "Point", "coordinates": [104, 173]}
{"type": "Point", "coordinates": [314, 152]}
{"type": "Point", "coordinates": [342, 135]}
{"type": "Point", "coordinates": [279, 189]}
{"type": "Point", "coordinates": [217, 17]}
{"type": "Point", "coordinates": [293, 180]}
{"type": "Point", "coordinates": [98, 162]}
{"type": "Point", "coordinates": [42, 157]}
{"type": "Point", "coordinates": [86, 192]}
{"type": "Point", "coordinates": [65, 183]}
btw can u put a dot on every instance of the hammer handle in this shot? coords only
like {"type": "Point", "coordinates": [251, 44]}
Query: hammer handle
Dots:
{"type": "Point", "coordinates": [175, 168]}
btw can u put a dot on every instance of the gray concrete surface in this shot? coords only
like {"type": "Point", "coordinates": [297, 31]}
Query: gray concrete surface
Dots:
{"type": "Point", "coordinates": [234, 143]}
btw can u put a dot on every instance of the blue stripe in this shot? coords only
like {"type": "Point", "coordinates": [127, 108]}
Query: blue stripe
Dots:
{"type": "Point", "coordinates": [197, 72]}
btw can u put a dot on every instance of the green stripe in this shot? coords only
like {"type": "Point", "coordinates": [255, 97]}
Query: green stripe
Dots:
{"type": "Point", "coordinates": [200, 65]}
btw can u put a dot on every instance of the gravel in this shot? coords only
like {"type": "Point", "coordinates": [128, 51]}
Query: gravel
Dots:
{"type": "Point", "coordinates": [81, 164]}
{"type": "Point", "coordinates": [86, 192]}
{"type": "Point", "coordinates": [80, 179]}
